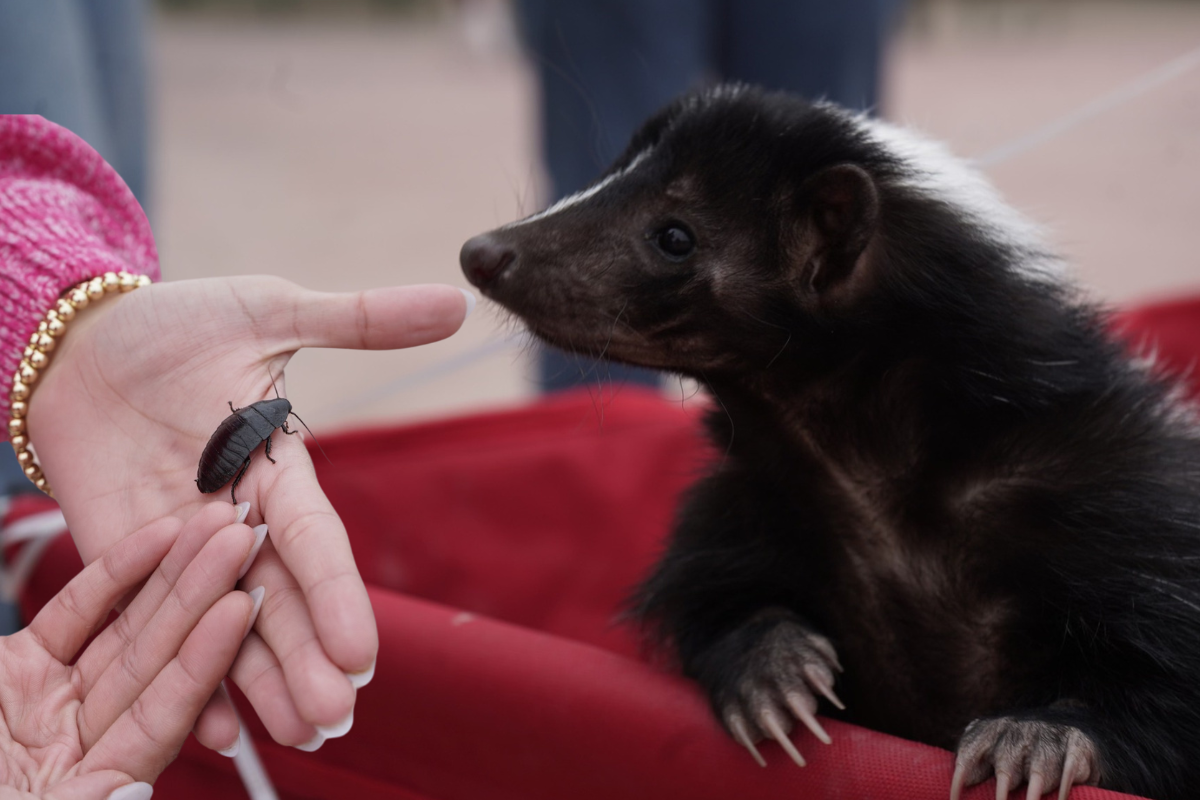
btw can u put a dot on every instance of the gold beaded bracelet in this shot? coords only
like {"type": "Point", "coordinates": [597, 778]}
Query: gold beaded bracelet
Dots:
{"type": "Point", "coordinates": [37, 357]}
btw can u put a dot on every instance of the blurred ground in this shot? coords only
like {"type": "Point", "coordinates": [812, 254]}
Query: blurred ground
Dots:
{"type": "Point", "coordinates": [349, 154]}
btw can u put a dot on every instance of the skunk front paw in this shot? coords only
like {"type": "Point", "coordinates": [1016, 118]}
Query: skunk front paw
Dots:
{"type": "Point", "coordinates": [780, 680]}
{"type": "Point", "coordinates": [1042, 754]}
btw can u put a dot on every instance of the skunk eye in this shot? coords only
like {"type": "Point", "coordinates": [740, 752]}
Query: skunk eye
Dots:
{"type": "Point", "coordinates": [675, 241]}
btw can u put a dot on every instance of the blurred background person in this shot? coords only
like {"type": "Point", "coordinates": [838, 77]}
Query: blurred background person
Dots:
{"type": "Point", "coordinates": [604, 66]}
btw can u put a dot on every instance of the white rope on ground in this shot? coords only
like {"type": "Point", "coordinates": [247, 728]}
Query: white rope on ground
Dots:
{"type": "Point", "coordinates": [1017, 147]}
{"type": "Point", "coordinates": [1101, 105]}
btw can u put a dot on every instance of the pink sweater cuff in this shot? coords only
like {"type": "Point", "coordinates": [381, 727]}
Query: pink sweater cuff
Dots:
{"type": "Point", "coordinates": [65, 215]}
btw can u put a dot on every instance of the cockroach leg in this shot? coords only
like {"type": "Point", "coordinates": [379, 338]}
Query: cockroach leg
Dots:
{"type": "Point", "coordinates": [241, 474]}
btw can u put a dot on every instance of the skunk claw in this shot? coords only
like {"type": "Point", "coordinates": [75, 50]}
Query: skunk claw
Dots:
{"type": "Point", "coordinates": [769, 720]}
{"type": "Point", "coordinates": [737, 726]}
{"type": "Point", "coordinates": [1002, 783]}
{"type": "Point", "coordinates": [821, 680]}
{"type": "Point", "coordinates": [957, 782]}
{"type": "Point", "coordinates": [796, 703]}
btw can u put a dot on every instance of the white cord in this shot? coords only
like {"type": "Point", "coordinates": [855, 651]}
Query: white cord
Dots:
{"type": "Point", "coordinates": [35, 526]}
{"type": "Point", "coordinates": [36, 531]}
{"type": "Point", "coordinates": [250, 768]}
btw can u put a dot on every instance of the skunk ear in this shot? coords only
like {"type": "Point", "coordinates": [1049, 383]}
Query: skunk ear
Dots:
{"type": "Point", "coordinates": [839, 207]}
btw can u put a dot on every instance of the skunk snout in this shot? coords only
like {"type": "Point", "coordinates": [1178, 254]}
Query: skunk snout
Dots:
{"type": "Point", "coordinates": [483, 258]}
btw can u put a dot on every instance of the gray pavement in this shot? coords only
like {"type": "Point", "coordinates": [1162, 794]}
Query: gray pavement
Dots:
{"type": "Point", "coordinates": [349, 154]}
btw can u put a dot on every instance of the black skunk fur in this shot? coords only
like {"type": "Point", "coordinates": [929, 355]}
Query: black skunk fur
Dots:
{"type": "Point", "coordinates": [939, 471]}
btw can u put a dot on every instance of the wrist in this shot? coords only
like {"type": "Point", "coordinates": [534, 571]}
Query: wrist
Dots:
{"type": "Point", "coordinates": [73, 310]}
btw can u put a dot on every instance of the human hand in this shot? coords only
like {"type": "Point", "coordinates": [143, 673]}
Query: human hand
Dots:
{"type": "Point", "coordinates": [119, 420]}
{"type": "Point", "coordinates": [121, 712]}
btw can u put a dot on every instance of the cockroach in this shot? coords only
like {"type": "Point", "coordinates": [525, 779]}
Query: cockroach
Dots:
{"type": "Point", "coordinates": [229, 450]}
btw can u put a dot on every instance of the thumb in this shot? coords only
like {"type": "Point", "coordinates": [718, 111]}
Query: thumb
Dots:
{"type": "Point", "coordinates": [380, 319]}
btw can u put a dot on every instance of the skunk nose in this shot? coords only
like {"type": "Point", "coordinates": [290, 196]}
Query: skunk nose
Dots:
{"type": "Point", "coordinates": [483, 258]}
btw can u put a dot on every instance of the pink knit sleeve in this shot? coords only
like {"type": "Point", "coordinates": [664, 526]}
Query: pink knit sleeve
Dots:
{"type": "Point", "coordinates": [65, 215]}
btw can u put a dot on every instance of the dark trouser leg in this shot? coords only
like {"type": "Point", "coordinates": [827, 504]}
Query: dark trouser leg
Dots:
{"type": "Point", "coordinates": [817, 49]}
{"type": "Point", "coordinates": [603, 66]}
{"type": "Point", "coordinates": [81, 64]}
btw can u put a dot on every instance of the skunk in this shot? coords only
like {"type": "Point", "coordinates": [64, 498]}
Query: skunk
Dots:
{"type": "Point", "coordinates": [944, 494]}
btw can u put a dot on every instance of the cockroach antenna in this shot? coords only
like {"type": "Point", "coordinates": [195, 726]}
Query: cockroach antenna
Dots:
{"type": "Point", "coordinates": [302, 422]}
{"type": "Point", "coordinates": [313, 435]}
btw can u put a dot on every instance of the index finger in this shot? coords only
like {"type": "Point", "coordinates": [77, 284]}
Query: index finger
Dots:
{"type": "Point", "coordinates": [311, 539]}
{"type": "Point", "coordinates": [194, 534]}
{"type": "Point", "coordinates": [64, 624]}
{"type": "Point", "coordinates": [147, 735]}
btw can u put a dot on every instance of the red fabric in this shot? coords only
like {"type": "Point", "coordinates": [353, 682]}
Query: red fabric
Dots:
{"type": "Point", "coordinates": [1169, 331]}
{"type": "Point", "coordinates": [497, 549]}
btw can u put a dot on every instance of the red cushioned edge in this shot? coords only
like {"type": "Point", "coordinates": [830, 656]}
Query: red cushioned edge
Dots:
{"type": "Point", "coordinates": [479, 708]}
{"type": "Point", "coordinates": [476, 708]}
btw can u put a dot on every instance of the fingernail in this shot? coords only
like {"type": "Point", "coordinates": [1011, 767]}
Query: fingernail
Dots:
{"type": "Point", "coordinates": [260, 535]}
{"type": "Point", "coordinates": [361, 679]}
{"type": "Point", "coordinates": [312, 744]}
{"type": "Point", "coordinates": [133, 791]}
{"type": "Point", "coordinates": [257, 596]}
{"type": "Point", "coordinates": [243, 511]}
{"type": "Point", "coordinates": [337, 730]}
{"type": "Point", "coordinates": [470, 298]}
{"type": "Point", "coordinates": [232, 750]}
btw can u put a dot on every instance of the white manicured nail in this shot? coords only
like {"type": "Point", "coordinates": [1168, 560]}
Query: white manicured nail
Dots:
{"type": "Point", "coordinates": [133, 791]}
{"type": "Point", "coordinates": [257, 596]}
{"type": "Point", "coordinates": [312, 744]}
{"type": "Point", "coordinates": [470, 298]}
{"type": "Point", "coordinates": [260, 536]}
{"type": "Point", "coordinates": [361, 679]}
{"type": "Point", "coordinates": [232, 750]}
{"type": "Point", "coordinates": [243, 511]}
{"type": "Point", "coordinates": [339, 729]}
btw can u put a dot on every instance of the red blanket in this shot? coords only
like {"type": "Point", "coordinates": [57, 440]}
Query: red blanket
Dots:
{"type": "Point", "coordinates": [498, 549]}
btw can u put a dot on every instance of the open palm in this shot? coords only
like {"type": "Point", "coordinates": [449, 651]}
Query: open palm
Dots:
{"type": "Point", "coordinates": [122, 711]}
{"type": "Point", "coordinates": [120, 418]}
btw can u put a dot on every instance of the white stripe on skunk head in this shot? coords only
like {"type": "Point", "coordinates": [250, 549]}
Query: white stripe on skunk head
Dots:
{"type": "Point", "coordinates": [937, 173]}
{"type": "Point", "coordinates": [585, 194]}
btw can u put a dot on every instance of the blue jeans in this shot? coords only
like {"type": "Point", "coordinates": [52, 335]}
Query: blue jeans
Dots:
{"type": "Point", "coordinates": [603, 66]}
{"type": "Point", "coordinates": [81, 64]}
